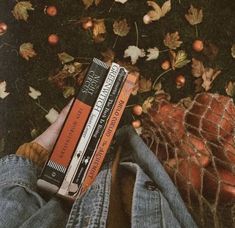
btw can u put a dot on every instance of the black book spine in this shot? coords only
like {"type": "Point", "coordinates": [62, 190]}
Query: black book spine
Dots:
{"type": "Point", "coordinates": [100, 128]}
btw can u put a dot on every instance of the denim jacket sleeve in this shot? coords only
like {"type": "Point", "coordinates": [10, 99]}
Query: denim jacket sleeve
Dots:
{"type": "Point", "coordinates": [20, 204]}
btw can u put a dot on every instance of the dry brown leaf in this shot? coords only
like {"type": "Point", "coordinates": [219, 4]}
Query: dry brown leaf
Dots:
{"type": "Point", "coordinates": [172, 40]}
{"type": "Point", "coordinates": [89, 3]}
{"type": "Point", "coordinates": [108, 56]}
{"type": "Point", "coordinates": [26, 51]}
{"type": "Point", "coordinates": [194, 15]}
{"type": "Point", "coordinates": [230, 89]}
{"type": "Point", "coordinates": [20, 11]}
{"type": "Point", "coordinates": [198, 85]}
{"type": "Point", "coordinates": [157, 12]}
{"type": "Point", "coordinates": [99, 30]}
{"type": "Point", "coordinates": [121, 27]}
{"type": "Point", "coordinates": [185, 102]}
{"type": "Point", "coordinates": [179, 59]}
{"type": "Point", "coordinates": [145, 85]}
{"type": "Point", "coordinates": [197, 68]}
{"type": "Point", "coordinates": [208, 77]}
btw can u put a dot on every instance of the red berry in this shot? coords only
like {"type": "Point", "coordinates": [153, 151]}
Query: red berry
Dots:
{"type": "Point", "coordinates": [198, 45]}
{"type": "Point", "coordinates": [136, 123]}
{"type": "Point", "coordinates": [137, 110]}
{"type": "Point", "coordinates": [180, 81]}
{"type": "Point", "coordinates": [3, 28]}
{"type": "Point", "coordinates": [87, 23]}
{"type": "Point", "coordinates": [165, 65]}
{"type": "Point", "coordinates": [51, 11]}
{"type": "Point", "coordinates": [53, 39]}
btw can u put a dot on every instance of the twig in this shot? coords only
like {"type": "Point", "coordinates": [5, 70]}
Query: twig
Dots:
{"type": "Point", "coordinates": [196, 30]}
{"type": "Point", "coordinates": [41, 107]}
{"type": "Point", "coordinates": [115, 42]}
{"type": "Point", "coordinates": [137, 34]}
{"type": "Point", "coordinates": [156, 80]}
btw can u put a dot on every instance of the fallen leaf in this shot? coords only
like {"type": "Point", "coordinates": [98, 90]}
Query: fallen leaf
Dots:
{"type": "Point", "coordinates": [89, 3]}
{"type": "Point", "coordinates": [179, 59]}
{"type": "Point", "coordinates": [153, 53]}
{"type": "Point", "coordinates": [185, 102]}
{"type": "Point", "coordinates": [65, 58]}
{"type": "Point", "coordinates": [197, 68]}
{"type": "Point", "coordinates": [147, 104]}
{"type": "Point", "coordinates": [208, 77]}
{"type": "Point", "coordinates": [194, 15]}
{"type": "Point", "coordinates": [99, 30]}
{"type": "Point", "coordinates": [121, 1]}
{"type": "Point", "coordinates": [230, 89]}
{"type": "Point", "coordinates": [108, 56]}
{"type": "Point", "coordinates": [233, 51]}
{"type": "Point", "coordinates": [3, 93]}
{"type": "Point", "coordinates": [34, 93]}
{"type": "Point", "coordinates": [52, 115]}
{"type": "Point", "coordinates": [172, 40]}
{"type": "Point", "coordinates": [145, 85]}
{"type": "Point", "coordinates": [21, 9]}
{"type": "Point", "coordinates": [157, 12]}
{"type": "Point", "coordinates": [68, 91]}
{"type": "Point", "coordinates": [27, 51]}
{"type": "Point", "coordinates": [121, 27]}
{"type": "Point", "coordinates": [134, 53]}
{"type": "Point", "coordinates": [198, 85]}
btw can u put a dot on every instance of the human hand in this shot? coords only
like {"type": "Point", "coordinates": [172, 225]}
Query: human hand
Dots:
{"type": "Point", "coordinates": [48, 138]}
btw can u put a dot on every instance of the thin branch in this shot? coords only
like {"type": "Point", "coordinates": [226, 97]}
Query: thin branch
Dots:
{"type": "Point", "coordinates": [137, 34]}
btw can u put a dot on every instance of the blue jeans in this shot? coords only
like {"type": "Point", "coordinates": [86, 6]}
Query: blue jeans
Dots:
{"type": "Point", "coordinates": [161, 206]}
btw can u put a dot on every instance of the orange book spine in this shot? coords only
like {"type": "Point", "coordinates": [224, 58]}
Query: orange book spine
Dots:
{"type": "Point", "coordinates": [109, 131]}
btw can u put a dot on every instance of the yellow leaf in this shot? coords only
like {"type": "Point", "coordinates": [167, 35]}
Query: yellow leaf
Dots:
{"type": "Point", "coordinates": [194, 15]}
{"type": "Point", "coordinates": [68, 91]}
{"type": "Point", "coordinates": [178, 59]}
{"type": "Point", "coordinates": [230, 89]}
{"type": "Point", "coordinates": [166, 7]}
{"type": "Point", "coordinates": [121, 28]}
{"type": "Point", "coordinates": [27, 51]}
{"type": "Point", "coordinates": [157, 12]}
{"type": "Point", "coordinates": [21, 9]}
{"type": "Point", "coordinates": [145, 85]}
{"type": "Point", "coordinates": [65, 58]}
{"type": "Point", "coordinates": [89, 3]}
{"type": "Point", "coordinates": [172, 40]}
{"type": "Point", "coordinates": [34, 93]}
{"type": "Point", "coordinates": [3, 92]}
{"type": "Point", "coordinates": [99, 30]}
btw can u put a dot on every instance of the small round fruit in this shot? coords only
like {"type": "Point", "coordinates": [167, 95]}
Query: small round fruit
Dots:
{"type": "Point", "coordinates": [51, 11]}
{"type": "Point", "coordinates": [136, 123]}
{"type": "Point", "coordinates": [180, 81]}
{"type": "Point", "coordinates": [53, 39]}
{"type": "Point", "coordinates": [3, 28]}
{"type": "Point", "coordinates": [137, 110]}
{"type": "Point", "coordinates": [165, 65]}
{"type": "Point", "coordinates": [198, 45]}
{"type": "Point", "coordinates": [87, 24]}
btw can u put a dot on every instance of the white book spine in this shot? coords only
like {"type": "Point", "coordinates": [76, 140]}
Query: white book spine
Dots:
{"type": "Point", "coordinates": [89, 128]}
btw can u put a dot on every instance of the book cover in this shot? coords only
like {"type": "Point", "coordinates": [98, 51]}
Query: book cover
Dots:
{"type": "Point", "coordinates": [90, 127]}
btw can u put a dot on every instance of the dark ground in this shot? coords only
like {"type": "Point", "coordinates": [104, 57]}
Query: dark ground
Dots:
{"type": "Point", "coordinates": [18, 112]}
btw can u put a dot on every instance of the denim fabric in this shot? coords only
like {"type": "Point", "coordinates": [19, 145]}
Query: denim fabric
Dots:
{"type": "Point", "coordinates": [22, 206]}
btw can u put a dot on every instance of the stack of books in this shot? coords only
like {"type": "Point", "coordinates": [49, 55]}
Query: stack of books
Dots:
{"type": "Point", "coordinates": [88, 130]}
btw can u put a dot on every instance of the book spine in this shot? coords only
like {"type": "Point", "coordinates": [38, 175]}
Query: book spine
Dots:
{"type": "Point", "coordinates": [108, 134]}
{"type": "Point", "coordinates": [85, 160]}
{"type": "Point", "coordinates": [54, 171]}
{"type": "Point", "coordinates": [89, 128]}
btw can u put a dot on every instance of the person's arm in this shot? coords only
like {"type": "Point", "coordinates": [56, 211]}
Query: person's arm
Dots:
{"type": "Point", "coordinates": [20, 204]}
